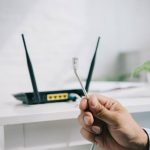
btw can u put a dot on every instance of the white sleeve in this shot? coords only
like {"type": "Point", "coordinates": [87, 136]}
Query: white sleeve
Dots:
{"type": "Point", "coordinates": [148, 133]}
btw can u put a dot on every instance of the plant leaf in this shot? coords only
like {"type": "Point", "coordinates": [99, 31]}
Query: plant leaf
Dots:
{"type": "Point", "coordinates": [144, 67]}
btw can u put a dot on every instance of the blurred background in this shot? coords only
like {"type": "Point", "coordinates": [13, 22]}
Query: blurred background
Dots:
{"type": "Point", "coordinates": [57, 30]}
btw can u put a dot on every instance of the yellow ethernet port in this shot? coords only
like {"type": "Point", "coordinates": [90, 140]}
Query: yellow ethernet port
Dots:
{"type": "Point", "coordinates": [58, 96]}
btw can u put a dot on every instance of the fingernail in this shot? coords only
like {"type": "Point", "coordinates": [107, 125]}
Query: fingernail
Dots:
{"type": "Point", "coordinates": [93, 103]}
{"type": "Point", "coordinates": [96, 129]}
{"type": "Point", "coordinates": [86, 120]}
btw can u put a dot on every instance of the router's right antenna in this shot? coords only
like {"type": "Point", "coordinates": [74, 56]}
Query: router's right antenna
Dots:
{"type": "Point", "coordinates": [88, 81]}
{"type": "Point", "coordinates": [31, 72]}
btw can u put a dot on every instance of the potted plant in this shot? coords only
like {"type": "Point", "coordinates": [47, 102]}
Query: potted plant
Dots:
{"type": "Point", "coordinates": [145, 67]}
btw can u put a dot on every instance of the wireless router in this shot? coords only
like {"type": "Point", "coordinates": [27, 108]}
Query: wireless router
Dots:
{"type": "Point", "coordinates": [37, 97]}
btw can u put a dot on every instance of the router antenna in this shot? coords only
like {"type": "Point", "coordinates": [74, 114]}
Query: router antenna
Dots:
{"type": "Point", "coordinates": [91, 67]}
{"type": "Point", "coordinates": [31, 72]}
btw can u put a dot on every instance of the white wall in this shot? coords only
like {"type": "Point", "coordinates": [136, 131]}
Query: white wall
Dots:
{"type": "Point", "coordinates": [57, 30]}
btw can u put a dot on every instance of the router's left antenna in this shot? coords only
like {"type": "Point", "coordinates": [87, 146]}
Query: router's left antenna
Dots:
{"type": "Point", "coordinates": [31, 72]}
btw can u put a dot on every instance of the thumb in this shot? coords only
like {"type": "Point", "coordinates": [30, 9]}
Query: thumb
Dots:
{"type": "Point", "coordinates": [100, 108]}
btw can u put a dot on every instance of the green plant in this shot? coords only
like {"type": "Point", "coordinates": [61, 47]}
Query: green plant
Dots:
{"type": "Point", "coordinates": [144, 67]}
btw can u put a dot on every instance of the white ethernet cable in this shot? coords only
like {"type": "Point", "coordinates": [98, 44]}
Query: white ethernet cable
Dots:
{"type": "Point", "coordinates": [75, 68]}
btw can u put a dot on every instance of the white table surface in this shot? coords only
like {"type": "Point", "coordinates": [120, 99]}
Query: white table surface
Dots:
{"type": "Point", "coordinates": [14, 112]}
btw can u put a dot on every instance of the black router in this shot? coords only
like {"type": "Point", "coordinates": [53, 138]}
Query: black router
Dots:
{"type": "Point", "coordinates": [37, 97]}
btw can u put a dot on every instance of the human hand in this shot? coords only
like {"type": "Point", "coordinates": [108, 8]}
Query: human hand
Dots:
{"type": "Point", "coordinates": [109, 125]}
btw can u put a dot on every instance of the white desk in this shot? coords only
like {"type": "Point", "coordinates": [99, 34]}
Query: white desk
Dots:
{"type": "Point", "coordinates": [52, 126]}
